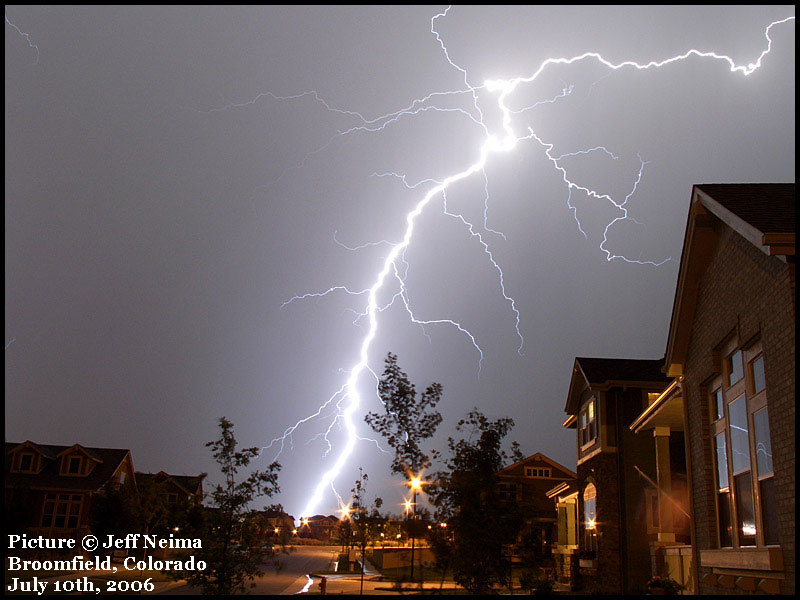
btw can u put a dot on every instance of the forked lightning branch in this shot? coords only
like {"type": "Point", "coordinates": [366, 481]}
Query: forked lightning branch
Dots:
{"type": "Point", "coordinates": [345, 403]}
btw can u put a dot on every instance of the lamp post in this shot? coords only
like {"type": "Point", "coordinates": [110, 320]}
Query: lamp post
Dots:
{"type": "Point", "coordinates": [416, 485]}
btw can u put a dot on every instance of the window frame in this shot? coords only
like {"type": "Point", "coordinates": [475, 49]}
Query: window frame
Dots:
{"type": "Point", "coordinates": [590, 426]}
{"type": "Point", "coordinates": [755, 402]}
{"type": "Point", "coordinates": [66, 505]}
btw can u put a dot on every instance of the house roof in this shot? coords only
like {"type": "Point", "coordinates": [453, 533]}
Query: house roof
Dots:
{"type": "Point", "coordinates": [604, 373]}
{"type": "Point", "coordinates": [188, 483]}
{"type": "Point", "coordinates": [762, 213]}
{"type": "Point", "coordinates": [109, 460]}
{"type": "Point", "coordinates": [767, 207]}
{"type": "Point", "coordinates": [540, 458]}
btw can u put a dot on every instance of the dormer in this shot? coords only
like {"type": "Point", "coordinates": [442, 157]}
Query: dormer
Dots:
{"type": "Point", "coordinates": [27, 458]}
{"type": "Point", "coordinates": [77, 461]}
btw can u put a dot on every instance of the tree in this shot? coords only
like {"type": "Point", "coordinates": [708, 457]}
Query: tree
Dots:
{"type": "Point", "coordinates": [466, 498]}
{"type": "Point", "coordinates": [231, 545]}
{"type": "Point", "coordinates": [408, 420]}
{"type": "Point", "coordinates": [367, 521]}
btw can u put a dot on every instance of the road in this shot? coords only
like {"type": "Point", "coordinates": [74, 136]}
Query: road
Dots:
{"type": "Point", "coordinates": [291, 578]}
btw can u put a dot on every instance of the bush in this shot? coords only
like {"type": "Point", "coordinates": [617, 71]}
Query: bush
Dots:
{"type": "Point", "coordinates": [670, 586]}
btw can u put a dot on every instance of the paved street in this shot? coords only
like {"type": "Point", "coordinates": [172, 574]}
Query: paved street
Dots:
{"type": "Point", "coordinates": [291, 578]}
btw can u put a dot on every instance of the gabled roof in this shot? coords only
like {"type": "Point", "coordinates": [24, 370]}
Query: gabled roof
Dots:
{"type": "Point", "coordinates": [764, 209]}
{"type": "Point", "coordinates": [762, 213]}
{"type": "Point", "coordinates": [85, 451]}
{"type": "Point", "coordinates": [540, 458]}
{"type": "Point", "coordinates": [188, 483]}
{"type": "Point", "coordinates": [599, 374]}
{"type": "Point", "coordinates": [49, 478]}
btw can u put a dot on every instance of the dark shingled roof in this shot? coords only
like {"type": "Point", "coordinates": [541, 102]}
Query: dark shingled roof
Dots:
{"type": "Point", "coordinates": [769, 207]}
{"type": "Point", "coordinates": [187, 482]}
{"type": "Point", "coordinates": [600, 370]}
{"type": "Point", "coordinates": [49, 476]}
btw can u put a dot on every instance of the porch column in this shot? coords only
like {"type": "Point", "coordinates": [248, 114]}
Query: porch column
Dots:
{"type": "Point", "coordinates": [666, 527]}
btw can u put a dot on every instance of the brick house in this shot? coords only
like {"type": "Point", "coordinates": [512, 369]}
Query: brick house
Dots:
{"type": "Point", "coordinates": [49, 489]}
{"type": "Point", "coordinates": [526, 484]}
{"type": "Point", "coordinates": [731, 350]}
{"type": "Point", "coordinates": [616, 501]}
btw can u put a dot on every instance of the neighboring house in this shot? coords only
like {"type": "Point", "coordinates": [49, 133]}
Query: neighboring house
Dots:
{"type": "Point", "coordinates": [175, 489]}
{"type": "Point", "coordinates": [319, 527]}
{"type": "Point", "coordinates": [49, 489]}
{"type": "Point", "coordinates": [525, 484]}
{"type": "Point", "coordinates": [616, 503]}
{"type": "Point", "coordinates": [731, 350]}
{"type": "Point", "coordinates": [277, 521]}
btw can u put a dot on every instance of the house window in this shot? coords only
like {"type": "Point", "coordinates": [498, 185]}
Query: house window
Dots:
{"type": "Point", "coordinates": [508, 491]}
{"type": "Point", "coordinates": [756, 368]}
{"type": "Point", "coordinates": [61, 511]}
{"type": "Point", "coordinates": [26, 463]}
{"type": "Point", "coordinates": [742, 450]}
{"type": "Point", "coordinates": [538, 472]}
{"type": "Point", "coordinates": [122, 478]}
{"type": "Point", "coordinates": [74, 465]}
{"type": "Point", "coordinates": [587, 429]}
{"type": "Point", "coordinates": [733, 367]}
{"type": "Point", "coordinates": [590, 517]}
{"type": "Point", "coordinates": [717, 410]}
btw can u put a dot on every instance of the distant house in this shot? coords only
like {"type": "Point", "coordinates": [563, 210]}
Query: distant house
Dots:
{"type": "Point", "coordinates": [616, 502]}
{"type": "Point", "coordinates": [49, 489]}
{"type": "Point", "coordinates": [525, 484]}
{"type": "Point", "coordinates": [319, 527]}
{"type": "Point", "coordinates": [175, 489]}
{"type": "Point", "coordinates": [278, 521]}
{"type": "Point", "coordinates": [731, 349]}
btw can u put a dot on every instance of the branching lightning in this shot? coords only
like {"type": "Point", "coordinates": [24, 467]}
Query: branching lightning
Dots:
{"type": "Point", "coordinates": [347, 399]}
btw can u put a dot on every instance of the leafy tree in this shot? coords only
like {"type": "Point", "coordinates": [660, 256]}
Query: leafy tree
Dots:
{"type": "Point", "coordinates": [231, 544]}
{"type": "Point", "coordinates": [466, 498]}
{"type": "Point", "coordinates": [409, 418]}
{"type": "Point", "coordinates": [367, 521]}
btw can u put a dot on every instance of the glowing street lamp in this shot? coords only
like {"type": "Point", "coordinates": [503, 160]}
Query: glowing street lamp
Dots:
{"type": "Point", "coordinates": [415, 483]}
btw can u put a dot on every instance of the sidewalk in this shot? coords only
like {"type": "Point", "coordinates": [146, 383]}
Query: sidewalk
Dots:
{"type": "Point", "coordinates": [374, 584]}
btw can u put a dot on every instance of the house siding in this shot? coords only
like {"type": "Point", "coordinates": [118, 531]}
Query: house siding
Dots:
{"type": "Point", "coordinates": [747, 293]}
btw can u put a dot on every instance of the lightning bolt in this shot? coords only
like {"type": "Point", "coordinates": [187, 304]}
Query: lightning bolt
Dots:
{"type": "Point", "coordinates": [27, 37]}
{"type": "Point", "coordinates": [347, 397]}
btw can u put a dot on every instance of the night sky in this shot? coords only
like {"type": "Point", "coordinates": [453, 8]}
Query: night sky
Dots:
{"type": "Point", "coordinates": [174, 175]}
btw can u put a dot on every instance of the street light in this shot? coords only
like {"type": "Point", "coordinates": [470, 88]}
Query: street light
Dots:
{"type": "Point", "coordinates": [415, 483]}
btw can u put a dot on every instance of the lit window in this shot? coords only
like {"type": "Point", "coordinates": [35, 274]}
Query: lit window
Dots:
{"type": "Point", "coordinates": [745, 495]}
{"type": "Point", "coordinates": [590, 517]}
{"type": "Point", "coordinates": [587, 431]}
